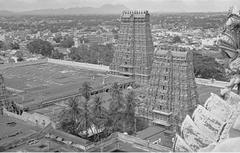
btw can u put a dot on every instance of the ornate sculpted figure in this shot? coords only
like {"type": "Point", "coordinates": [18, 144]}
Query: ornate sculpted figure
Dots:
{"type": "Point", "coordinates": [229, 45]}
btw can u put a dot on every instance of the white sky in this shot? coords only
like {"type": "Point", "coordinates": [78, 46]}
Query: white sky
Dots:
{"type": "Point", "coordinates": [151, 5]}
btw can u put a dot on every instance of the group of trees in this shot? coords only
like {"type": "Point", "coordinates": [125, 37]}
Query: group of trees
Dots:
{"type": "Point", "coordinates": [6, 45]}
{"type": "Point", "coordinates": [39, 46]}
{"type": "Point", "coordinates": [44, 48]}
{"type": "Point", "coordinates": [86, 113]}
{"type": "Point", "coordinates": [14, 45]}
{"type": "Point", "coordinates": [206, 67]}
{"type": "Point", "coordinates": [176, 39]}
{"type": "Point", "coordinates": [67, 42]}
{"type": "Point", "coordinates": [58, 39]}
{"type": "Point", "coordinates": [95, 54]}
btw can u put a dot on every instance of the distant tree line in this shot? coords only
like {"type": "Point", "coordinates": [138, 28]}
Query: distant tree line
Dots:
{"type": "Point", "coordinates": [204, 66]}
{"type": "Point", "coordinates": [64, 42]}
{"type": "Point", "coordinates": [44, 48]}
{"type": "Point", "coordinates": [176, 39]}
{"type": "Point", "coordinates": [95, 54]}
{"type": "Point", "coordinates": [11, 45]}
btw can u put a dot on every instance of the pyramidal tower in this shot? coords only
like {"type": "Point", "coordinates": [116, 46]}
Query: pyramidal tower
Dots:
{"type": "Point", "coordinates": [172, 89]}
{"type": "Point", "coordinates": [3, 98]}
{"type": "Point", "coordinates": [133, 55]}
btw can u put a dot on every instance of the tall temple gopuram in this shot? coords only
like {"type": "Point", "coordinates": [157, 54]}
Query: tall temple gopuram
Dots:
{"type": "Point", "coordinates": [133, 55]}
{"type": "Point", "coordinates": [172, 89]}
{"type": "Point", "coordinates": [3, 99]}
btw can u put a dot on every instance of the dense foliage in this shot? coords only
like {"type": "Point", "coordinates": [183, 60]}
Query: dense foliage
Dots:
{"type": "Point", "coordinates": [95, 54]}
{"type": "Point", "coordinates": [86, 114]}
{"type": "Point", "coordinates": [44, 48]}
{"type": "Point", "coordinates": [5, 45]}
{"type": "Point", "coordinates": [176, 39]}
{"type": "Point", "coordinates": [14, 45]}
{"type": "Point", "coordinates": [58, 39]}
{"type": "Point", "coordinates": [206, 67]}
{"type": "Point", "coordinates": [57, 55]}
{"type": "Point", "coordinates": [39, 46]}
{"type": "Point", "coordinates": [67, 42]}
{"type": "Point", "coordinates": [2, 45]}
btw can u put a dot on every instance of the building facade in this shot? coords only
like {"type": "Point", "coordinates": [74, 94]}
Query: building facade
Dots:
{"type": "Point", "coordinates": [172, 89]}
{"type": "Point", "coordinates": [133, 55]}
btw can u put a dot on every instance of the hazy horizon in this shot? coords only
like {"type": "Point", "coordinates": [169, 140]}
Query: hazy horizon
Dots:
{"type": "Point", "coordinates": [151, 5]}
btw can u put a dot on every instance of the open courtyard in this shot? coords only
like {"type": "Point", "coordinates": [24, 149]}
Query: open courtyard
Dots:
{"type": "Point", "coordinates": [48, 81]}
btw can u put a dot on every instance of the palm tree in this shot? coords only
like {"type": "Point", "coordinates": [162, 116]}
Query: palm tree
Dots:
{"type": "Point", "coordinates": [77, 118]}
{"type": "Point", "coordinates": [129, 113]}
{"type": "Point", "coordinates": [115, 91]}
{"type": "Point", "coordinates": [117, 107]}
{"type": "Point", "coordinates": [117, 104]}
{"type": "Point", "coordinates": [69, 116]}
{"type": "Point", "coordinates": [86, 117]}
{"type": "Point", "coordinates": [86, 90]}
{"type": "Point", "coordinates": [100, 115]}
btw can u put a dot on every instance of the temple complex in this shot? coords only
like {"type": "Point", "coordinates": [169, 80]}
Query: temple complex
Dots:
{"type": "Point", "coordinates": [133, 55]}
{"type": "Point", "coordinates": [168, 74]}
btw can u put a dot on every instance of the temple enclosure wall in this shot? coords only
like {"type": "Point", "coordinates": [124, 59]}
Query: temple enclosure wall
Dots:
{"type": "Point", "coordinates": [35, 118]}
{"type": "Point", "coordinates": [78, 64]}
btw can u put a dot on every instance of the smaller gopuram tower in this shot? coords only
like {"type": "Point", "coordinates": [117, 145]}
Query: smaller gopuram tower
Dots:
{"type": "Point", "coordinates": [133, 54]}
{"type": "Point", "coordinates": [3, 98]}
{"type": "Point", "coordinates": [172, 88]}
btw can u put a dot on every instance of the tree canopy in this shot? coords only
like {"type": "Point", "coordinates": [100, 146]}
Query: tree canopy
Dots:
{"type": "Point", "coordinates": [86, 112]}
{"type": "Point", "coordinates": [14, 45]}
{"type": "Point", "coordinates": [95, 54]}
{"type": "Point", "coordinates": [206, 67]}
{"type": "Point", "coordinates": [58, 39]}
{"type": "Point", "coordinates": [176, 39]}
{"type": "Point", "coordinates": [56, 54]}
{"type": "Point", "coordinates": [67, 42]}
{"type": "Point", "coordinates": [5, 45]}
{"type": "Point", "coordinates": [39, 46]}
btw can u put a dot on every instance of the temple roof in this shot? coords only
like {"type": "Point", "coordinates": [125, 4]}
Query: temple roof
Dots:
{"type": "Point", "coordinates": [135, 14]}
{"type": "Point", "coordinates": [150, 133]}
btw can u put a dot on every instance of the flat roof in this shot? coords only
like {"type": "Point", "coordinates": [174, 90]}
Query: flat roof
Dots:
{"type": "Point", "coordinates": [70, 137]}
{"type": "Point", "coordinates": [12, 129]}
{"type": "Point", "coordinates": [44, 145]}
{"type": "Point", "coordinates": [150, 132]}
